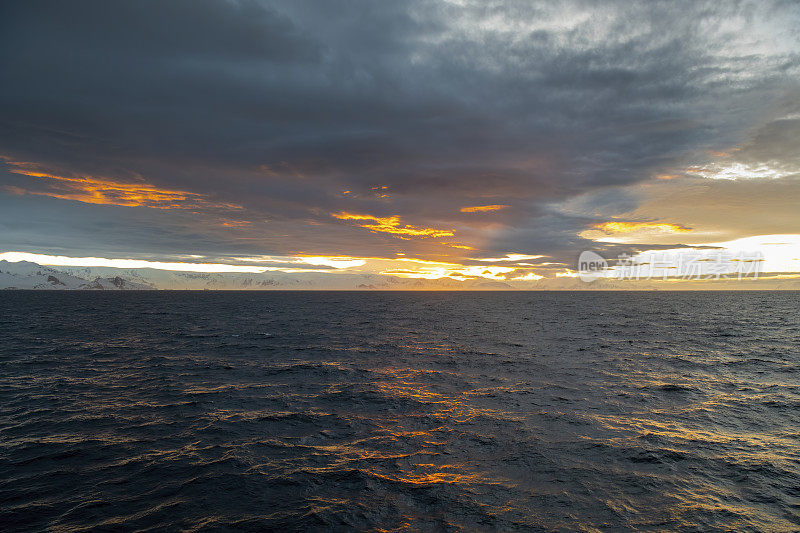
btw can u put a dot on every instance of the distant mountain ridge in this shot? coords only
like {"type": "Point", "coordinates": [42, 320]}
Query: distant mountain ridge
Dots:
{"type": "Point", "coordinates": [27, 275]}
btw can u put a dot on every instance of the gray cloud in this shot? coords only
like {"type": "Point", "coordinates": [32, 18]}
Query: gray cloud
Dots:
{"type": "Point", "coordinates": [280, 107]}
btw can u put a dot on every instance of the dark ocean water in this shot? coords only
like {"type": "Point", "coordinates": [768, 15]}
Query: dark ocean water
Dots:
{"type": "Point", "coordinates": [164, 411]}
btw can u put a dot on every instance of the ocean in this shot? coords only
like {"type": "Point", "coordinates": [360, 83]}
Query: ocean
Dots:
{"type": "Point", "coordinates": [414, 411]}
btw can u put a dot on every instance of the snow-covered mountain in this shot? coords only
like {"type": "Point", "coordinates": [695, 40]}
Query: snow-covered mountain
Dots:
{"type": "Point", "coordinates": [26, 275]}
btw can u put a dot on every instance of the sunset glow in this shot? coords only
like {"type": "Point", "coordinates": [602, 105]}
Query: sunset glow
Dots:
{"type": "Point", "coordinates": [626, 227]}
{"type": "Point", "coordinates": [291, 142]}
{"type": "Point", "coordinates": [393, 225]}
{"type": "Point", "coordinates": [400, 265]}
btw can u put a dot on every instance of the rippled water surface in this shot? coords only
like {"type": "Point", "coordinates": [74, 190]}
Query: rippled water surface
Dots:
{"type": "Point", "coordinates": [399, 411]}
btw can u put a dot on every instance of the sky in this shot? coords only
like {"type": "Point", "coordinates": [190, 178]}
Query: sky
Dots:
{"type": "Point", "coordinates": [459, 140]}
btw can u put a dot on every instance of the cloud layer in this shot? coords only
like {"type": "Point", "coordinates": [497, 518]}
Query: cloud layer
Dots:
{"type": "Point", "coordinates": [440, 130]}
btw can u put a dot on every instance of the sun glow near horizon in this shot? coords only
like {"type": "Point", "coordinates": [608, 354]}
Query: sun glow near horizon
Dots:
{"type": "Point", "coordinates": [780, 255]}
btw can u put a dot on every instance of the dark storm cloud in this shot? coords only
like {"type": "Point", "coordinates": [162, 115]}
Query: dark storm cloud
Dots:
{"type": "Point", "coordinates": [280, 107]}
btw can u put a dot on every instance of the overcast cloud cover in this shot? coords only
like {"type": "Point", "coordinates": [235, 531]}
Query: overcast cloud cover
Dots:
{"type": "Point", "coordinates": [262, 120]}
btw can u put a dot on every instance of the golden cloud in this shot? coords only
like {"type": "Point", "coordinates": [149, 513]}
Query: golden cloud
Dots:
{"type": "Point", "coordinates": [229, 223]}
{"type": "Point", "coordinates": [92, 190]}
{"type": "Point", "coordinates": [393, 225]}
{"type": "Point", "coordinates": [627, 227]}
{"type": "Point", "coordinates": [483, 208]}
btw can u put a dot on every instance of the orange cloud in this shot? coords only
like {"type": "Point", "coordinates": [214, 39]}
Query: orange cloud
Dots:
{"type": "Point", "coordinates": [482, 208]}
{"type": "Point", "coordinates": [434, 270]}
{"type": "Point", "coordinates": [627, 227]}
{"type": "Point", "coordinates": [229, 223]}
{"type": "Point", "coordinates": [392, 225]}
{"type": "Point", "coordinates": [93, 190]}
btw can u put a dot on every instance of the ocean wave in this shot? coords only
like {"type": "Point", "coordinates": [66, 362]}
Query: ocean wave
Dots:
{"type": "Point", "coordinates": [388, 412]}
